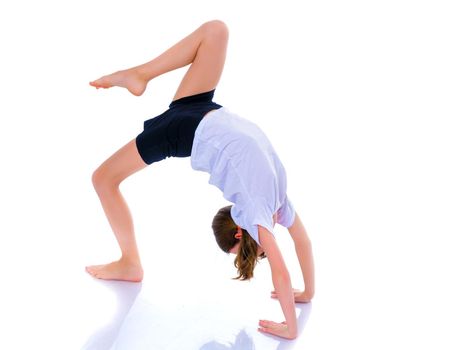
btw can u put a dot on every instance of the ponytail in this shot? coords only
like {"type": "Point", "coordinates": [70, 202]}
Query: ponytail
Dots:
{"type": "Point", "coordinates": [224, 229]}
{"type": "Point", "coordinates": [247, 257]}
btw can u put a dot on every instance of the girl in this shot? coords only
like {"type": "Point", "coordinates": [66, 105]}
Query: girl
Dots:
{"type": "Point", "coordinates": [237, 155]}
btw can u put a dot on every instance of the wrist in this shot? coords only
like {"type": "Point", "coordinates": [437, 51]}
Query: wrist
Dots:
{"type": "Point", "coordinates": [309, 293]}
{"type": "Point", "coordinates": [293, 332]}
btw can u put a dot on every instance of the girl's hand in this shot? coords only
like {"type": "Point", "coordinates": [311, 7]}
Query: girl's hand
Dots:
{"type": "Point", "coordinates": [299, 296]}
{"type": "Point", "coordinates": [278, 329]}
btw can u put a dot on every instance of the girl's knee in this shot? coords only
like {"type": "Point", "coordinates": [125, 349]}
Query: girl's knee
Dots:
{"type": "Point", "coordinates": [216, 29]}
{"type": "Point", "coordinates": [97, 179]}
{"type": "Point", "coordinates": [102, 179]}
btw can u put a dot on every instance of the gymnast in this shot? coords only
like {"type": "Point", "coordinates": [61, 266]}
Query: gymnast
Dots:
{"type": "Point", "coordinates": [241, 162]}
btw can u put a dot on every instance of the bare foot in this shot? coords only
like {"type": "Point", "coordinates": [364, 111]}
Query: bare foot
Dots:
{"type": "Point", "coordinates": [129, 79]}
{"type": "Point", "coordinates": [117, 270]}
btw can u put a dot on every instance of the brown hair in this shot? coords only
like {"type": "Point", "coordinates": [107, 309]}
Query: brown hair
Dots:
{"type": "Point", "coordinates": [224, 230]}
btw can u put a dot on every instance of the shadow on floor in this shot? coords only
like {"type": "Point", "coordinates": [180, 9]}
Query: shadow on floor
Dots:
{"type": "Point", "coordinates": [126, 293]}
{"type": "Point", "coordinates": [242, 342]}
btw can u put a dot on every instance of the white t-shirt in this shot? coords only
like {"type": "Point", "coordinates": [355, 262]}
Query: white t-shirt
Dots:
{"type": "Point", "coordinates": [244, 166]}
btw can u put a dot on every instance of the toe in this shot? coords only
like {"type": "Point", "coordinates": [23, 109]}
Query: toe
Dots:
{"type": "Point", "coordinates": [98, 83]}
{"type": "Point", "coordinates": [91, 270]}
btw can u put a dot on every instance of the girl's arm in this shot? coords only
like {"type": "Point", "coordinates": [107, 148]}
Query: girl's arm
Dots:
{"type": "Point", "coordinates": [305, 257]}
{"type": "Point", "coordinates": [283, 288]}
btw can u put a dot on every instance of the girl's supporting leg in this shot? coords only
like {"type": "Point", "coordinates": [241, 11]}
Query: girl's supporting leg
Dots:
{"type": "Point", "coordinates": [106, 180]}
{"type": "Point", "coordinates": [205, 49]}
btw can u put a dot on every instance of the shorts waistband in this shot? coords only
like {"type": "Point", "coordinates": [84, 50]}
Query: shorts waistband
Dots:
{"type": "Point", "coordinates": [202, 97]}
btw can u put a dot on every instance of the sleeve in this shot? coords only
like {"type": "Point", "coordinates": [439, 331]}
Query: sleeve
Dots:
{"type": "Point", "coordinates": [259, 214]}
{"type": "Point", "coordinates": [286, 213]}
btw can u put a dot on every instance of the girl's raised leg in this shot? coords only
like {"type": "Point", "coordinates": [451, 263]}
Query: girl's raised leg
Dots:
{"type": "Point", "coordinates": [106, 180]}
{"type": "Point", "coordinates": [205, 49]}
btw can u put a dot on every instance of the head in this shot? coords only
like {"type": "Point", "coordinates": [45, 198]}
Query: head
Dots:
{"type": "Point", "coordinates": [231, 238]}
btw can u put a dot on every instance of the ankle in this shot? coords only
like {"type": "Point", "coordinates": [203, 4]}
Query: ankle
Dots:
{"type": "Point", "coordinates": [142, 74]}
{"type": "Point", "coordinates": [131, 260]}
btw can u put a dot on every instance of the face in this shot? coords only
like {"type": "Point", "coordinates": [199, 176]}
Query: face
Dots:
{"type": "Point", "coordinates": [234, 250]}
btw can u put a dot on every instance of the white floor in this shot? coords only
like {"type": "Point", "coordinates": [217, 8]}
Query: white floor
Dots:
{"type": "Point", "coordinates": [140, 319]}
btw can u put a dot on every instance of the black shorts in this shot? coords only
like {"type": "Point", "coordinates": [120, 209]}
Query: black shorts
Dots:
{"type": "Point", "coordinates": [171, 134]}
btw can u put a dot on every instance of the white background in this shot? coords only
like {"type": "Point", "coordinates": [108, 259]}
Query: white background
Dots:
{"type": "Point", "coordinates": [365, 102]}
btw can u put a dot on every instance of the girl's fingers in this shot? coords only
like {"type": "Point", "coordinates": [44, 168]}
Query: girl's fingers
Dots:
{"type": "Point", "coordinates": [268, 330]}
{"type": "Point", "coordinates": [265, 323]}
{"type": "Point", "coordinates": [298, 296]}
{"type": "Point", "coordinates": [293, 290]}
{"type": "Point", "coordinates": [271, 324]}
{"type": "Point", "coordinates": [271, 327]}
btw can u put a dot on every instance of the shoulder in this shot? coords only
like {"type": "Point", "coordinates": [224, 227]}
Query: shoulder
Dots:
{"type": "Point", "coordinates": [271, 249]}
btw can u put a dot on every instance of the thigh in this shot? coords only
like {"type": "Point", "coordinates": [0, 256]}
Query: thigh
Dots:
{"type": "Point", "coordinates": [206, 69]}
{"type": "Point", "coordinates": [123, 163]}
